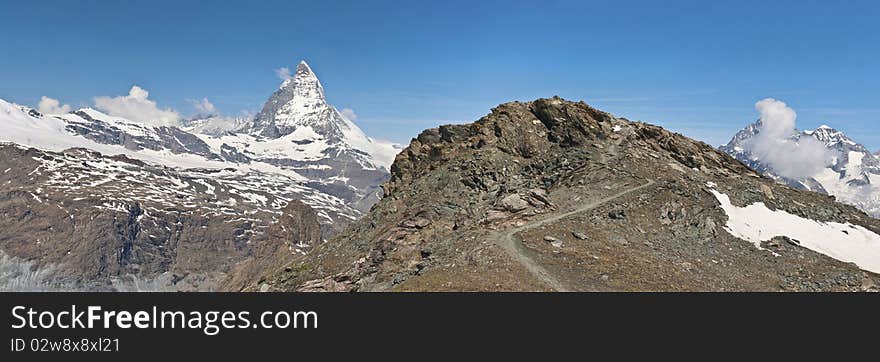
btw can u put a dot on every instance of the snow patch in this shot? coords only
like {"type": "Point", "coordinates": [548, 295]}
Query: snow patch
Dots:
{"type": "Point", "coordinates": [845, 242]}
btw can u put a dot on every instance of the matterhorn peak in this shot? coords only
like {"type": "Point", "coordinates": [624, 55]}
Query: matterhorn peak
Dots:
{"type": "Point", "coordinates": [306, 85]}
{"type": "Point", "coordinates": [303, 78]}
{"type": "Point", "coordinates": [303, 67]}
{"type": "Point", "coordinates": [299, 113]}
{"type": "Point", "coordinates": [299, 101]}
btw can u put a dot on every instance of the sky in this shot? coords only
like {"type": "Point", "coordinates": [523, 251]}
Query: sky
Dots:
{"type": "Point", "coordinates": [696, 67]}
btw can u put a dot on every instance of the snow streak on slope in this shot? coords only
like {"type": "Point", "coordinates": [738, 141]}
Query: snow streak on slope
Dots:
{"type": "Point", "coordinates": [845, 242]}
{"type": "Point", "coordinates": [120, 182]}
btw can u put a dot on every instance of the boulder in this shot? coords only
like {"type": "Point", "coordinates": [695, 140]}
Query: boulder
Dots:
{"type": "Point", "coordinates": [513, 203]}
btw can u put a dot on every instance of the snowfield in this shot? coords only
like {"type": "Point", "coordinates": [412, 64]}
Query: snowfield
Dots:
{"type": "Point", "coordinates": [845, 242]}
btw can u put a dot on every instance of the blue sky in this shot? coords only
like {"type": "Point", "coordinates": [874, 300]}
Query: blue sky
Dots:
{"type": "Point", "coordinates": [693, 66]}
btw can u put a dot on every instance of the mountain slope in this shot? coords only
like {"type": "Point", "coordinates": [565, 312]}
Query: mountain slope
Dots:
{"type": "Point", "coordinates": [852, 177]}
{"type": "Point", "coordinates": [84, 221]}
{"type": "Point", "coordinates": [556, 195]}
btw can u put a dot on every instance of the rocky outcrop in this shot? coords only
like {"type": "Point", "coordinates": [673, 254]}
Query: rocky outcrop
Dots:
{"type": "Point", "coordinates": [556, 195]}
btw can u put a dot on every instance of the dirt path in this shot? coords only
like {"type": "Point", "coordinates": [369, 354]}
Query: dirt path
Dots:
{"type": "Point", "coordinates": [512, 243]}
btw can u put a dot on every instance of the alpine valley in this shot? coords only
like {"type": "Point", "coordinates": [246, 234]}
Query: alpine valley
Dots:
{"type": "Point", "coordinates": [90, 201]}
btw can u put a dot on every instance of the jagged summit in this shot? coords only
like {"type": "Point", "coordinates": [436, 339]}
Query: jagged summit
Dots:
{"type": "Point", "coordinates": [831, 137]}
{"type": "Point", "coordinates": [736, 143]}
{"type": "Point", "coordinates": [298, 113]}
{"type": "Point", "coordinates": [299, 130]}
{"type": "Point", "coordinates": [304, 74]}
{"type": "Point", "coordinates": [298, 103]}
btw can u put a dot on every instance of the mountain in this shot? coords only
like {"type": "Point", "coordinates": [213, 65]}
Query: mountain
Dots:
{"type": "Point", "coordinates": [852, 177]}
{"type": "Point", "coordinates": [556, 195]}
{"type": "Point", "coordinates": [298, 130]}
{"type": "Point", "coordinates": [93, 201]}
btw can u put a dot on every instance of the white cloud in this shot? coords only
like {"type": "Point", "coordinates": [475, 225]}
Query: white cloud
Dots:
{"type": "Point", "coordinates": [52, 106]}
{"type": "Point", "coordinates": [136, 106]}
{"type": "Point", "coordinates": [778, 146]}
{"type": "Point", "coordinates": [283, 73]}
{"type": "Point", "coordinates": [349, 114]}
{"type": "Point", "coordinates": [204, 106]}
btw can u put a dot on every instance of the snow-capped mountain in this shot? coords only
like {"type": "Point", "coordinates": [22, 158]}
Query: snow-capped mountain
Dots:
{"type": "Point", "coordinates": [297, 135]}
{"type": "Point", "coordinates": [853, 176]}
{"type": "Point", "coordinates": [104, 199]}
{"type": "Point", "coordinates": [298, 111]}
{"type": "Point", "coordinates": [298, 130]}
{"type": "Point", "coordinates": [183, 155]}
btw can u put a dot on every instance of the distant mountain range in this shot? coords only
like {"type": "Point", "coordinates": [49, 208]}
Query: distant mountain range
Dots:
{"type": "Point", "coordinates": [239, 173]}
{"type": "Point", "coordinates": [853, 176]}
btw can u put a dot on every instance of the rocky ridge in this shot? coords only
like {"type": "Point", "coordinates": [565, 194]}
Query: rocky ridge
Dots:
{"type": "Point", "coordinates": [556, 195]}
